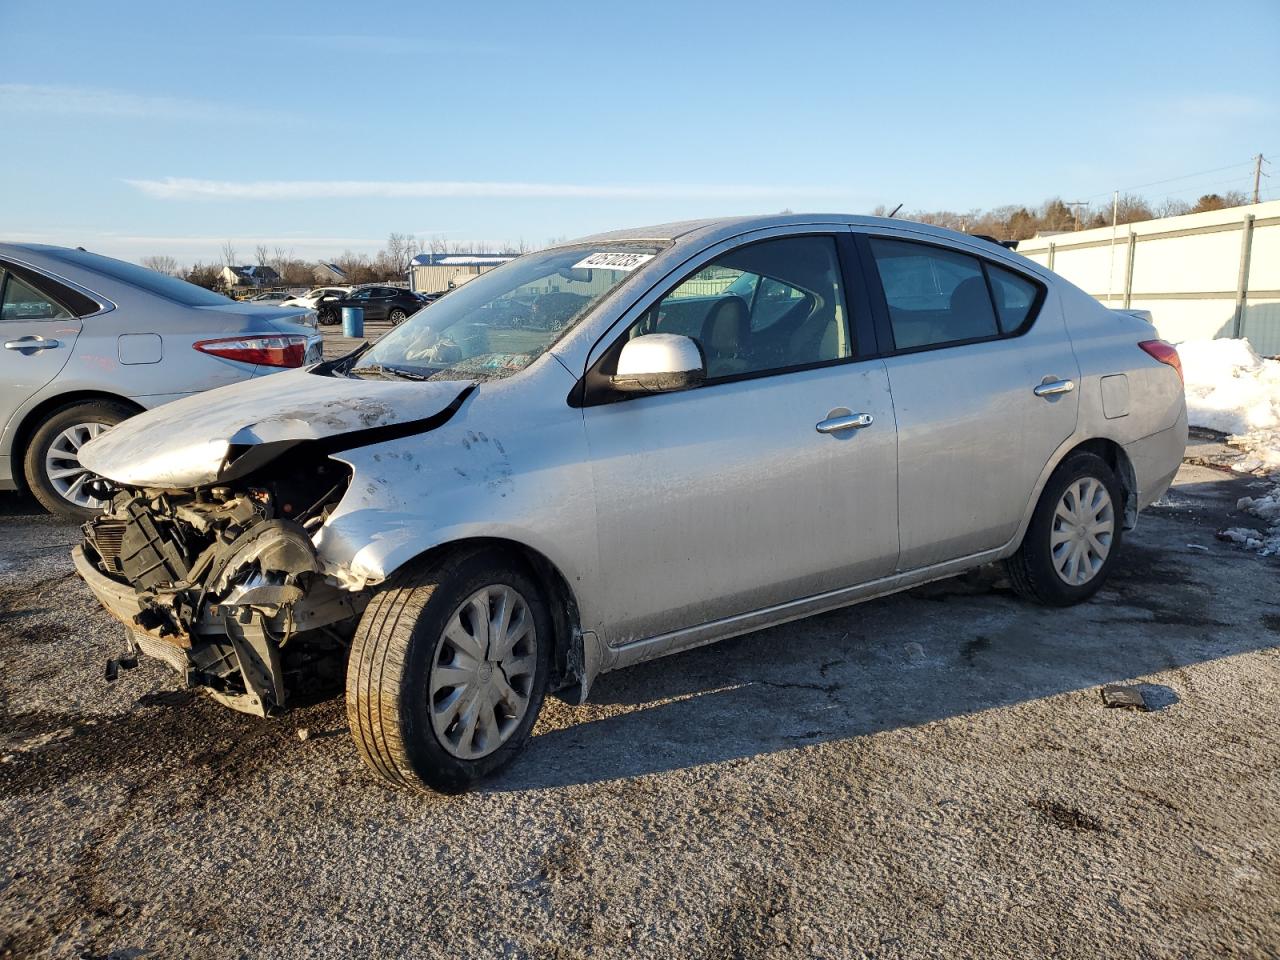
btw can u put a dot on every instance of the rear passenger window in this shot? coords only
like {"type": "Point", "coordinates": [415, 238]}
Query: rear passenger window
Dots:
{"type": "Point", "coordinates": [935, 296]}
{"type": "Point", "coordinates": [1014, 297]}
{"type": "Point", "coordinates": [21, 301]}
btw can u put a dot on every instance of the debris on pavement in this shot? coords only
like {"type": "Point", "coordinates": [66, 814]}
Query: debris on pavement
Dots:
{"type": "Point", "coordinates": [1123, 698]}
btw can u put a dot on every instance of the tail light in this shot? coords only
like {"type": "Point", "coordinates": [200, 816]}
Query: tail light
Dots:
{"type": "Point", "coordinates": [1164, 352]}
{"type": "Point", "coordinates": [268, 350]}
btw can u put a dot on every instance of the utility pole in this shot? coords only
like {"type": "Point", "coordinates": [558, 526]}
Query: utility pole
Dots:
{"type": "Point", "coordinates": [1257, 177]}
{"type": "Point", "coordinates": [1115, 216]}
{"type": "Point", "coordinates": [1075, 206]}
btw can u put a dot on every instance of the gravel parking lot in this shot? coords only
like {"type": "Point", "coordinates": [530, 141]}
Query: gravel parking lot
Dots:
{"type": "Point", "coordinates": [928, 774]}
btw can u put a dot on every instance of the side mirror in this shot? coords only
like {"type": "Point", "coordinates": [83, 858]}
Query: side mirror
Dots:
{"type": "Point", "coordinates": [659, 363]}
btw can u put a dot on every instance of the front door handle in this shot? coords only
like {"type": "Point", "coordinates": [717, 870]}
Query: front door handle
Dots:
{"type": "Point", "coordinates": [1051, 388]}
{"type": "Point", "coordinates": [852, 421]}
{"type": "Point", "coordinates": [31, 344]}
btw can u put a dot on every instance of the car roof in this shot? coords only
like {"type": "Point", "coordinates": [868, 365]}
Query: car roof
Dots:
{"type": "Point", "coordinates": [704, 233]}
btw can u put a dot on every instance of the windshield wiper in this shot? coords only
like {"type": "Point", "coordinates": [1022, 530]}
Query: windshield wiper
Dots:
{"type": "Point", "coordinates": [397, 372]}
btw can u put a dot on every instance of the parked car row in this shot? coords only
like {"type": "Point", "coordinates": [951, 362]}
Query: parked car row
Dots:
{"type": "Point", "coordinates": [391, 305]}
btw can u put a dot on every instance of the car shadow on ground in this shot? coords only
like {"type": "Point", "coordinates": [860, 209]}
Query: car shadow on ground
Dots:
{"type": "Point", "coordinates": [946, 650]}
{"type": "Point", "coordinates": [14, 504]}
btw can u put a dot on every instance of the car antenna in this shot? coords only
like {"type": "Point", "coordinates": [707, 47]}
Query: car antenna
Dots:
{"type": "Point", "coordinates": [894, 212]}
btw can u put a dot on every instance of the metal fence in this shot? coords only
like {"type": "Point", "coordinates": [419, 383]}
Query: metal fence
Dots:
{"type": "Point", "coordinates": [1203, 275]}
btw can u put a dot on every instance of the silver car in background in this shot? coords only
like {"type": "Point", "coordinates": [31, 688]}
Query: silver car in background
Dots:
{"type": "Point", "coordinates": [89, 340]}
{"type": "Point", "coordinates": [620, 448]}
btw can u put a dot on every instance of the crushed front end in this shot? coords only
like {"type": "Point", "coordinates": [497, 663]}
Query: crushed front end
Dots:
{"type": "Point", "coordinates": [223, 583]}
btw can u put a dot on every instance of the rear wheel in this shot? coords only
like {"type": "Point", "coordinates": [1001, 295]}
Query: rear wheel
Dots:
{"type": "Point", "coordinates": [448, 670]}
{"type": "Point", "coordinates": [327, 316]}
{"type": "Point", "coordinates": [1074, 534]}
{"type": "Point", "coordinates": [52, 465]}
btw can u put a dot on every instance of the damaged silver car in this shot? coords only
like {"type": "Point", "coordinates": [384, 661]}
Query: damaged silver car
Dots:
{"type": "Point", "coordinates": [620, 448]}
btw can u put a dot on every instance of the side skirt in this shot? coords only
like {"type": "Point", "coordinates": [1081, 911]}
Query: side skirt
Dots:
{"type": "Point", "coordinates": [650, 648]}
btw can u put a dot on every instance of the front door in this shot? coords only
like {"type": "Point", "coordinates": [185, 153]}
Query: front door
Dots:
{"type": "Point", "coordinates": [727, 498]}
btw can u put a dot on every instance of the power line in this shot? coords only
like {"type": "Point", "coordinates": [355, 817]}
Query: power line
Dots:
{"type": "Point", "coordinates": [1156, 183]}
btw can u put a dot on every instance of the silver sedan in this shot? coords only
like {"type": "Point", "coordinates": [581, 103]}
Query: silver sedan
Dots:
{"type": "Point", "coordinates": [624, 447]}
{"type": "Point", "coordinates": [89, 341]}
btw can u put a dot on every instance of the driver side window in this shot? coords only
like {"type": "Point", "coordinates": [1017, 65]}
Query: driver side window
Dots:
{"type": "Point", "coordinates": [764, 307]}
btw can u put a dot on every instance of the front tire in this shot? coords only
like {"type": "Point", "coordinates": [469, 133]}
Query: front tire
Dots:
{"type": "Point", "coordinates": [396, 317]}
{"type": "Point", "coordinates": [448, 670]}
{"type": "Point", "coordinates": [1073, 536]}
{"type": "Point", "coordinates": [51, 464]}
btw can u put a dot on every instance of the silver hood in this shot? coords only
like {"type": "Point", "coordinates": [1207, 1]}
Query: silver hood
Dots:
{"type": "Point", "coordinates": [191, 441]}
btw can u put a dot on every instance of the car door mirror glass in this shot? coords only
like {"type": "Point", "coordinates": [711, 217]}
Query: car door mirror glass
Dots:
{"type": "Point", "coordinates": [659, 363]}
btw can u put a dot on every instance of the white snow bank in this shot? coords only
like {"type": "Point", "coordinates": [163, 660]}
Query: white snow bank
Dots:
{"type": "Point", "coordinates": [1232, 390]}
{"type": "Point", "coordinates": [1229, 387]}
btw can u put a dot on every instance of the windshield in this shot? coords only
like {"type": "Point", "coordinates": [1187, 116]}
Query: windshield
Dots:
{"type": "Point", "coordinates": [503, 320]}
{"type": "Point", "coordinates": [161, 284]}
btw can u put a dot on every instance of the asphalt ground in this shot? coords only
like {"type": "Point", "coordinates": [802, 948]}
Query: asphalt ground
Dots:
{"type": "Point", "coordinates": [930, 774]}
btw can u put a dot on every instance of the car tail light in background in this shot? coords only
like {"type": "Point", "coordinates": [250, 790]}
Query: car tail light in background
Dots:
{"type": "Point", "coordinates": [268, 350]}
{"type": "Point", "coordinates": [1165, 353]}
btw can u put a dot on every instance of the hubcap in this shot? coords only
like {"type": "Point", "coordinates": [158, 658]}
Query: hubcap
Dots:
{"type": "Point", "coordinates": [482, 672]}
{"type": "Point", "coordinates": [1084, 524]}
{"type": "Point", "coordinates": [62, 464]}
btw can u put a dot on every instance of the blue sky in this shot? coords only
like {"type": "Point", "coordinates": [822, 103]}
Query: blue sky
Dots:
{"type": "Point", "coordinates": [138, 128]}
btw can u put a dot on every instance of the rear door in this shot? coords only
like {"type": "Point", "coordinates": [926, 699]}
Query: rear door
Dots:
{"type": "Point", "coordinates": [37, 333]}
{"type": "Point", "coordinates": [983, 374]}
{"type": "Point", "coordinates": [727, 498]}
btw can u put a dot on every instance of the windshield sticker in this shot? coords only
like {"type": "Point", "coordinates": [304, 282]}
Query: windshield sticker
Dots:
{"type": "Point", "coordinates": [614, 261]}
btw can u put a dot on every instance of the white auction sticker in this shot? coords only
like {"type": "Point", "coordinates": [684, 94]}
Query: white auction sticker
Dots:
{"type": "Point", "coordinates": [613, 261]}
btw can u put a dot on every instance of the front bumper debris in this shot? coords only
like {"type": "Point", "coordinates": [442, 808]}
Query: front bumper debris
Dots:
{"type": "Point", "coordinates": [222, 589]}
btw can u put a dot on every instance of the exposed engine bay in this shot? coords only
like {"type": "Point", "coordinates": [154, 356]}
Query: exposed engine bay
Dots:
{"type": "Point", "coordinates": [223, 582]}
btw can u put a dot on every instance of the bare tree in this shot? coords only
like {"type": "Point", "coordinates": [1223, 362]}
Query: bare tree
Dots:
{"type": "Point", "coordinates": [262, 254]}
{"type": "Point", "coordinates": [228, 254]}
{"type": "Point", "coordinates": [1171, 207]}
{"type": "Point", "coordinates": [162, 263]}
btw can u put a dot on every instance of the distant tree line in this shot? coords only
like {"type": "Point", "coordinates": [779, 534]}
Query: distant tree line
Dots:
{"type": "Point", "coordinates": [1016, 222]}
{"type": "Point", "coordinates": [391, 263]}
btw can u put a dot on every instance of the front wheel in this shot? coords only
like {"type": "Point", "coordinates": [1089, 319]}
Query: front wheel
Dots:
{"type": "Point", "coordinates": [1073, 536]}
{"type": "Point", "coordinates": [52, 465]}
{"type": "Point", "coordinates": [448, 671]}
{"type": "Point", "coordinates": [396, 317]}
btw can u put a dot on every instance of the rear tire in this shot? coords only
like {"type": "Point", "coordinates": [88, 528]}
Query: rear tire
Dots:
{"type": "Point", "coordinates": [51, 465]}
{"type": "Point", "coordinates": [408, 671]}
{"type": "Point", "coordinates": [1074, 534]}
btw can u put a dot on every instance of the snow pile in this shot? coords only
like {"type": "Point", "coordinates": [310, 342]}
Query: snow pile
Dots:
{"type": "Point", "coordinates": [1264, 508]}
{"type": "Point", "coordinates": [1232, 390]}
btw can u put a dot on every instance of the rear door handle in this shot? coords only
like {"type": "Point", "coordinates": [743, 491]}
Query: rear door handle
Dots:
{"type": "Point", "coordinates": [31, 344]}
{"type": "Point", "coordinates": [854, 421]}
{"type": "Point", "coordinates": [1051, 388]}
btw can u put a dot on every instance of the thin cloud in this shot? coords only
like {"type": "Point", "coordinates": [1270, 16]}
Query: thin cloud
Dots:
{"type": "Point", "coordinates": [181, 188]}
{"type": "Point", "coordinates": [36, 98]}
